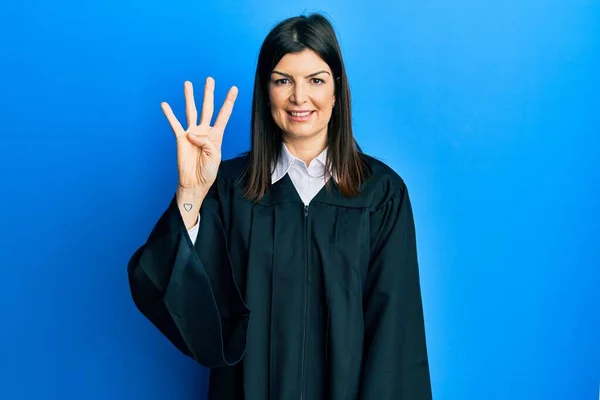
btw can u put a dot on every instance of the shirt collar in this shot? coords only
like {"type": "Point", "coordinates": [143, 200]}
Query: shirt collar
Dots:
{"type": "Point", "coordinates": [287, 159]}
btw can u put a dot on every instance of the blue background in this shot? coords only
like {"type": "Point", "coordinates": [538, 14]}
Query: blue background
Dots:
{"type": "Point", "coordinates": [488, 109]}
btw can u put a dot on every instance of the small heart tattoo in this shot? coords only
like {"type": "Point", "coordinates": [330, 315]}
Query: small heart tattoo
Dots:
{"type": "Point", "coordinates": [187, 206]}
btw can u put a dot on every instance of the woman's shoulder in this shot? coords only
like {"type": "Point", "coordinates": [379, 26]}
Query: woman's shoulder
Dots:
{"type": "Point", "coordinates": [231, 169]}
{"type": "Point", "coordinates": [384, 183]}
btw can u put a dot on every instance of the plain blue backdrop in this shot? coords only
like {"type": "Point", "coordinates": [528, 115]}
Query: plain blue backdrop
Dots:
{"type": "Point", "coordinates": [488, 109]}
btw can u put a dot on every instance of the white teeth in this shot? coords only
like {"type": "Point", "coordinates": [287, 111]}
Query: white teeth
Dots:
{"type": "Point", "coordinates": [304, 114]}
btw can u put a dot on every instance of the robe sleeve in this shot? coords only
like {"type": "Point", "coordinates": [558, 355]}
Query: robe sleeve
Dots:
{"type": "Point", "coordinates": [395, 361]}
{"type": "Point", "coordinates": [189, 293]}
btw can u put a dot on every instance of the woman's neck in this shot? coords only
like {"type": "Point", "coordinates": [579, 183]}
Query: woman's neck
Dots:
{"type": "Point", "coordinates": [306, 149]}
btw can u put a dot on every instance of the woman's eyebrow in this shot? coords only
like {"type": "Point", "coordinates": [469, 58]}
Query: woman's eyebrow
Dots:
{"type": "Point", "coordinates": [309, 76]}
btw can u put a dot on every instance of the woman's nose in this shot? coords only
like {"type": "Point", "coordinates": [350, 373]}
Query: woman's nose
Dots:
{"type": "Point", "coordinates": [299, 94]}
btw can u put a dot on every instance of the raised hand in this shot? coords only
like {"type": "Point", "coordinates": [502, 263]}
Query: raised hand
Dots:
{"type": "Point", "coordinates": [199, 146]}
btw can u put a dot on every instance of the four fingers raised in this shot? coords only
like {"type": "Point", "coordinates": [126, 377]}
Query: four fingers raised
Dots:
{"type": "Point", "coordinates": [207, 108]}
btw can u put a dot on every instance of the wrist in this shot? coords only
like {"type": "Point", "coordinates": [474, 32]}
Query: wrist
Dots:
{"type": "Point", "coordinates": [189, 201]}
{"type": "Point", "coordinates": [195, 193]}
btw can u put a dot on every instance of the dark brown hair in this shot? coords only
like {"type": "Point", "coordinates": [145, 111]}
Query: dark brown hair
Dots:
{"type": "Point", "coordinates": [295, 35]}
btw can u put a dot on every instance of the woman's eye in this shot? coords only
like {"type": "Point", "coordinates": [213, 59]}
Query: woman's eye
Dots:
{"type": "Point", "coordinates": [285, 81]}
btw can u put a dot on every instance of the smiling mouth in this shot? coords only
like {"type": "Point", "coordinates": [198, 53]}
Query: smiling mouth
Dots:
{"type": "Point", "coordinates": [300, 114]}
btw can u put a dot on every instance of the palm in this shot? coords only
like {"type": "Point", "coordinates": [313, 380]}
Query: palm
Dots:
{"type": "Point", "coordinates": [199, 146]}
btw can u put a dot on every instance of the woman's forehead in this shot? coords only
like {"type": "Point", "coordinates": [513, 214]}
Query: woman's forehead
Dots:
{"type": "Point", "coordinates": [302, 64]}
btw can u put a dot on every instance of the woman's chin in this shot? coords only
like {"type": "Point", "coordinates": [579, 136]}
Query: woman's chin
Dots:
{"type": "Point", "coordinates": [301, 131]}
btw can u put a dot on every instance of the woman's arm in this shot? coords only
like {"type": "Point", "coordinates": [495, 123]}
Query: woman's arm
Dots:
{"type": "Point", "coordinates": [395, 363]}
{"type": "Point", "coordinates": [189, 295]}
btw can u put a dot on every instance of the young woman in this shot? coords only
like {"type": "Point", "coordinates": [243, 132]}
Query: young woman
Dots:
{"type": "Point", "coordinates": [290, 271]}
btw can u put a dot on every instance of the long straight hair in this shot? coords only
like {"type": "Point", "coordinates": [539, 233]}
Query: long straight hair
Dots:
{"type": "Point", "coordinates": [295, 35]}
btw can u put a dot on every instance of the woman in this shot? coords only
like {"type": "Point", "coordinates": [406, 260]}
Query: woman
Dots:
{"type": "Point", "coordinates": [290, 271]}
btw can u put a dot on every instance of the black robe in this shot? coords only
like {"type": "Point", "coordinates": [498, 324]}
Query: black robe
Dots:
{"type": "Point", "coordinates": [284, 301]}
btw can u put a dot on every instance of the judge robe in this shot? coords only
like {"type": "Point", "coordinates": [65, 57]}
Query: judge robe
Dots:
{"type": "Point", "coordinates": [285, 301]}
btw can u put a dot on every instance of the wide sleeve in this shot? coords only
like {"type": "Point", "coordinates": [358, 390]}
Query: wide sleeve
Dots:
{"type": "Point", "coordinates": [395, 362]}
{"type": "Point", "coordinates": [190, 295]}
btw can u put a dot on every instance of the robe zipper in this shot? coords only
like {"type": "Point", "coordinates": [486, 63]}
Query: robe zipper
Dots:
{"type": "Point", "coordinates": [305, 300]}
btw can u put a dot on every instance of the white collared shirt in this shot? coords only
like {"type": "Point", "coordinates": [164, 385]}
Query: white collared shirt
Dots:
{"type": "Point", "coordinates": [307, 179]}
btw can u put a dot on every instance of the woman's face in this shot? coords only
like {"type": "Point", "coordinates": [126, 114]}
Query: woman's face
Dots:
{"type": "Point", "coordinates": [301, 92]}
